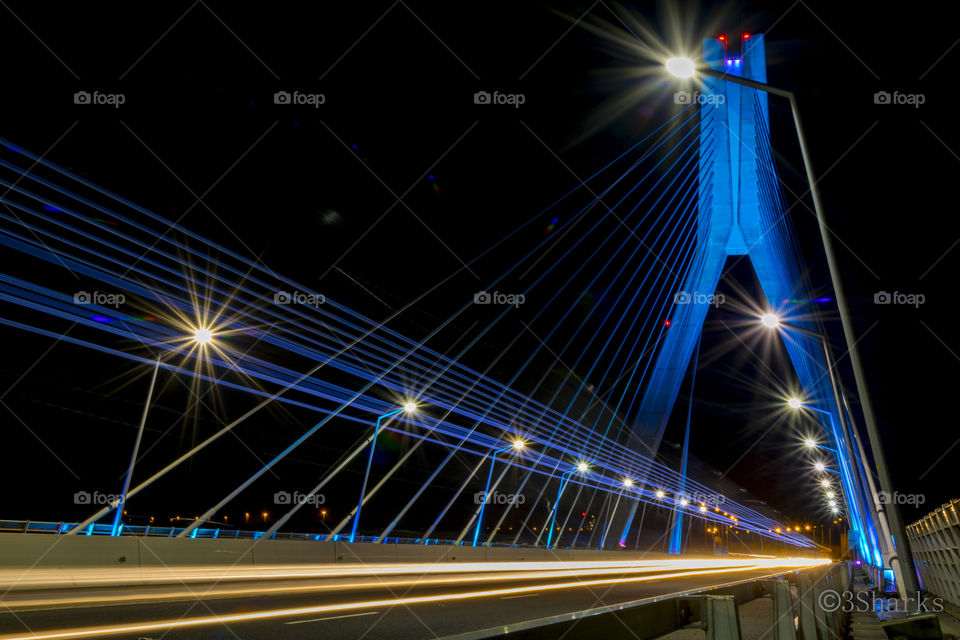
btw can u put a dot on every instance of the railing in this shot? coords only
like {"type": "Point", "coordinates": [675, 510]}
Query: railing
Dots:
{"type": "Point", "coordinates": [935, 543]}
{"type": "Point", "coordinates": [797, 612]}
{"type": "Point", "coordinates": [56, 528]}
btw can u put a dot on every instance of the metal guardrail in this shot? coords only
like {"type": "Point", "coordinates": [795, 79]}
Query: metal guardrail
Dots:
{"type": "Point", "coordinates": [797, 614]}
{"type": "Point", "coordinates": [935, 543]}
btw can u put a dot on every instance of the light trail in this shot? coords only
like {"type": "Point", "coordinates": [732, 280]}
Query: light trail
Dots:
{"type": "Point", "coordinates": [58, 578]}
{"type": "Point", "coordinates": [784, 563]}
{"type": "Point", "coordinates": [488, 574]}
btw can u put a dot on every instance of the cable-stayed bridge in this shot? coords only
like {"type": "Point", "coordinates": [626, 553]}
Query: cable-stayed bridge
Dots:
{"type": "Point", "coordinates": [565, 427]}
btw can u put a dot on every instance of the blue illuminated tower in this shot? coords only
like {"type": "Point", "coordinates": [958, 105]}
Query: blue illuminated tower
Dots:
{"type": "Point", "coordinates": [739, 214]}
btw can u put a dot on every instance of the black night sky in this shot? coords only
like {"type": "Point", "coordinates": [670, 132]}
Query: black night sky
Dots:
{"type": "Point", "coordinates": [313, 194]}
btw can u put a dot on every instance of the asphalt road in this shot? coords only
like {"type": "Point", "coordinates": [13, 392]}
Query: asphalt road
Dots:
{"type": "Point", "coordinates": [369, 608]}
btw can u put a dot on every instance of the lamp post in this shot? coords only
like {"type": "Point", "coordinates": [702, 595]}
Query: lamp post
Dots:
{"type": "Point", "coordinates": [115, 531]}
{"type": "Point", "coordinates": [516, 446]}
{"type": "Point", "coordinates": [685, 68]}
{"type": "Point", "coordinates": [201, 336]}
{"type": "Point", "coordinates": [879, 514]}
{"type": "Point", "coordinates": [627, 484]}
{"type": "Point", "coordinates": [581, 467]}
{"type": "Point", "coordinates": [409, 407]}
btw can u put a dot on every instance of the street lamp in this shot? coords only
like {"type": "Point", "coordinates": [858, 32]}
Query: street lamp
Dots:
{"type": "Point", "coordinates": [681, 67]}
{"type": "Point", "coordinates": [581, 467]}
{"type": "Point", "coordinates": [770, 320]}
{"type": "Point", "coordinates": [517, 445]}
{"type": "Point", "coordinates": [810, 443]}
{"type": "Point", "coordinates": [409, 407]}
{"type": "Point", "coordinates": [202, 336]}
{"type": "Point", "coordinates": [686, 68]}
{"type": "Point", "coordinates": [820, 467]}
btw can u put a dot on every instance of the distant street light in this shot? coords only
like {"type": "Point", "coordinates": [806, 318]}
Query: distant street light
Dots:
{"type": "Point", "coordinates": [810, 443]}
{"type": "Point", "coordinates": [517, 445]}
{"type": "Point", "coordinates": [409, 407]}
{"type": "Point", "coordinates": [820, 467]}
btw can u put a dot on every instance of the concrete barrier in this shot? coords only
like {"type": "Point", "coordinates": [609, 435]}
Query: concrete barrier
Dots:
{"type": "Point", "coordinates": [45, 551]}
{"type": "Point", "coordinates": [270, 552]}
{"type": "Point", "coordinates": [53, 551]}
{"type": "Point", "coordinates": [179, 552]}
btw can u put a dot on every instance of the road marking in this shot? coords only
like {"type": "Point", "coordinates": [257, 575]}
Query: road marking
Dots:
{"type": "Point", "coordinates": [532, 595]}
{"type": "Point", "coordinates": [350, 615]}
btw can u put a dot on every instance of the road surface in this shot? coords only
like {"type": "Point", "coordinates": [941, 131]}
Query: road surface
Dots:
{"type": "Point", "coordinates": [397, 602]}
